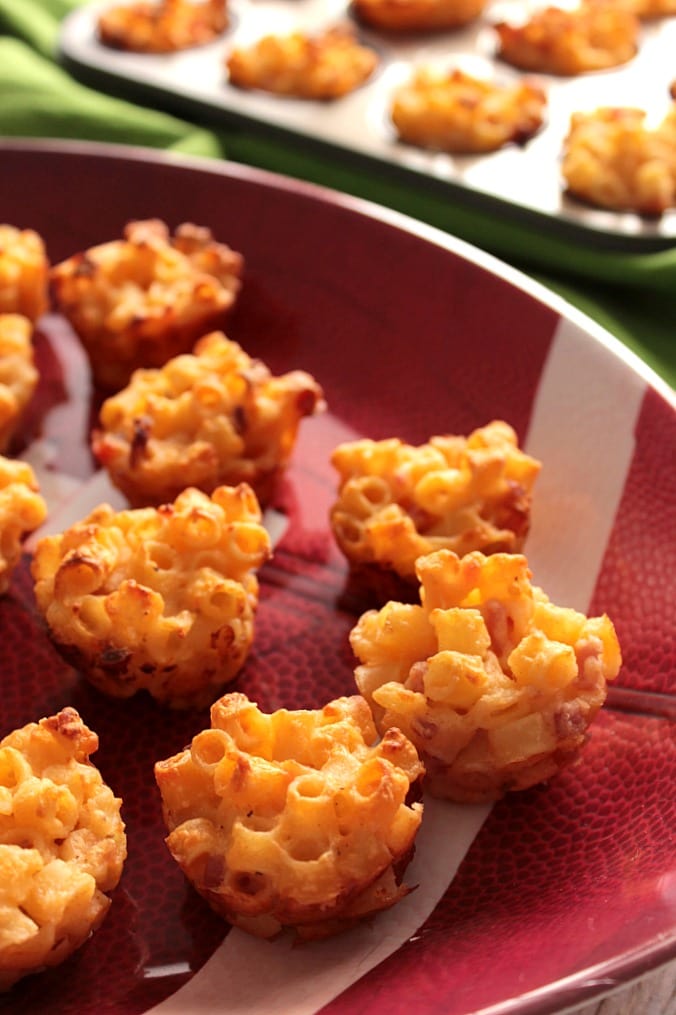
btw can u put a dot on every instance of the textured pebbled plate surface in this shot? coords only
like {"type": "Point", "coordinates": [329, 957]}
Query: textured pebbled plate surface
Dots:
{"type": "Point", "coordinates": [552, 896]}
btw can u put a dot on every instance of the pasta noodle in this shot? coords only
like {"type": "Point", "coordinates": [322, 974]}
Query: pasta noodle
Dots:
{"type": "Point", "coordinates": [161, 600]}
{"type": "Point", "coordinates": [205, 419]}
{"type": "Point", "coordinates": [62, 844]}
{"type": "Point", "coordinates": [494, 684]}
{"type": "Point", "coordinates": [292, 819]}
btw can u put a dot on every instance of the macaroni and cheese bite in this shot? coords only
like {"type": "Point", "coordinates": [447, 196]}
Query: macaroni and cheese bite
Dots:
{"type": "Point", "coordinates": [205, 419]}
{"type": "Point", "coordinates": [295, 819]}
{"type": "Point", "coordinates": [456, 112]}
{"type": "Point", "coordinates": [494, 684]}
{"type": "Point", "coordinates": [397, 502]}
{"type": "Point", "coordinates": [325, 65]}
{"type": "Point", "coordinates": [161, 600]}
{"type": "Point", "coordinates": [417, 15]}
{"type": "Point", "coordinates": [593, 36]}
{"type": "Point", "coordinates": [18, 374]}
{"type": "Point", "coordinates": [162, 26]}
{"type": "Point", "coordinates": [22, 510]}
{"type": "Point", "coordinates": [24, 270]}
{"type": "Point", "coordinates": [649, 10]}
{"type": "Point", "coordinates": [62, 844]}
{"type": "Point", "coordinates": [612, 159]}
{"type": "Point", "coordinates": [138, 301]}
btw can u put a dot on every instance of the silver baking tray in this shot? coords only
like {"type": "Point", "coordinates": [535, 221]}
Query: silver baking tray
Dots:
{"type": "Point", "coordinates": [516, 181]}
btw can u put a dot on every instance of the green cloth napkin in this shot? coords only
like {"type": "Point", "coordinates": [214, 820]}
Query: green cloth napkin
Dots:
{"type": "Point", "coordinates": [632, 294]}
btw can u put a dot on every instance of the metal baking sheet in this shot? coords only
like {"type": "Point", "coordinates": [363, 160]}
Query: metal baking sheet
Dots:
{"type": "Point", "coordinates": [515, 181]}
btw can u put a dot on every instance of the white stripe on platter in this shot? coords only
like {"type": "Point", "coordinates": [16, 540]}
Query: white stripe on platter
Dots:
{"type": "Point", "coordinates": [582, 430]}
{"type": "Point", "coordinates": [247, 975]}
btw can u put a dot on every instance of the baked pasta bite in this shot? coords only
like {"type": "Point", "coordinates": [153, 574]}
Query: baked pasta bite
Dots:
{"type": "Point", "coordinates": [397, 502]}
{"type": "Point", "coordinates": [62, 844]}
{"type": "Point", "coordinates": [590, 37]}
{"type": "Point", "coordinates": [325, 65]}
{"type": "Point", "coordinates": [455, 112]}
{"type": "Point", "coordinates": [650, 9]}
{"type": "Point", "coordinates": [494, 684]}
{"type": "Point", "coordinates": [161, 600]}
{"type": "Point", "coordinates": [24, 270]}
{"type": "Point", "coordinates": [611, 159]}
{"type": "Point", "coordinates": [18, 375]}
{"type": "Point", "coordinates": [149, 296]}
{"type": "Point", "coordinates": [22, 510]}
{"type": "Point", "coordinates": [417, 15]}
{"type": "Point", "coordinates": [206, 419]}
{"type": "Point", "coordinates": [163, 26]}
{"type": "Point", "coordinates": [295, 819]}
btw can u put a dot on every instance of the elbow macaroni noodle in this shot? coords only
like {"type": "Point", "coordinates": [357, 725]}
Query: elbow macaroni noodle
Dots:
{"type": "Point", "coordinates": [62, 844]}
{"type": "Point", "coordinates": [140, 300]}
{"type": "Point", "coordinates": [157, 599]}
{"type": "Point", "coordinates": [22, 510]}
{"type": "Point", "coordinates": [594, 36]}
{"type": "Point", "coordinates": [24, 270]}
{"type": "Point", "coordinates": [397, 502]}
{"type": "Point", "coordinates": [493, 683]}
{"type": "Point", "coordinates": [204, 419]}
{"type": "Point", "coordinates": [294, 819]}
{"type": "Point", "coordinates": [325, 66]}
{"type": "Point", "coordinates": [165, 26]}
{"type": "Point", "coordinates": [18, 376]}
{"type": "Point", "coordinates": [455, 112]}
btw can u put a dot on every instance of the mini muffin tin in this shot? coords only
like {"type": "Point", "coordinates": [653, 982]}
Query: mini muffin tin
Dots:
{"type": "Point", "coordinates": [515, 181]}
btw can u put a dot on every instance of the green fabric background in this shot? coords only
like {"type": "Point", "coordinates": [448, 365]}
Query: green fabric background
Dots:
{"type": "Point", "coordinates": [633, 295]}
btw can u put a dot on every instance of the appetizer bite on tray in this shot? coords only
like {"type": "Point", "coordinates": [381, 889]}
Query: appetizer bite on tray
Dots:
{"type": "Point", "coordinates": [18, 374]}
{"type": "Point", "coordinates": [149, 296]}
{"type": "Point", "coordinates": [205, 419]}
{"type": "Point", "coordinates": [24, 270]}
{"type": "Point", "coordinates": [295, 819]}
{"type": "Point", "coordinates": [22, 510]}
{"type": "Point", "coordinates": [62, 844]}
{"type": "Point", "coordinates": [156, 599]}
{"type": "Point", "coordinates": [611, 159]}
{"type": "Point", "coordinates": [593, 36]}
{"type": "Point", "coordinates": [494, 684]}
{"type": "Point", "coordinates": [162, 26]}
{"type": "Point", "coordinates": [649, 9]}
{"type": "Point", "coordinates": [456, 112]}
{"type": "Point", "coordinates": [397, 502]}
{"type": "Point", "coordinates": [325, 65]}
{"type": "Point", "coordinates": [417, 15]}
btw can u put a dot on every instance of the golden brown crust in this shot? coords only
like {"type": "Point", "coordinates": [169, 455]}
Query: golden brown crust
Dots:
{"type": "Point", "coordinates": [648, 10]}
{"type": "Point", "coordinates": [612, 160]}
{"type": "Point", "coordinates": [18, 375]}
{"type": "Point", "coordinates": [294, 819]}
{"type": "Point", "coordinates": [494, 684]}
{"type": "Point", "coordinates": [591, 37]}
{"type": "Point", "coordinates": [417, 15]}
{"type": "Point", "coordinates": [161, 600]}
{"type": "Point", "coordinates": [207, 419]}
{"type": "Point", "coordinates": [455, 112]}
{"type": "Point", "coordinates": [165, 26]}
{"type": "Point", "coordinates": [23, 272]}
{"type": "Point", "coordinates": [22, 510]}
{"type": "Point", "coordinates": [397, 501]}
{"type": "Point", "coordinates": [62, 844]}
{"type": "Point", "coordinates": [326, 65]}
{"type": "Point", "coordinates": [138, 301]}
